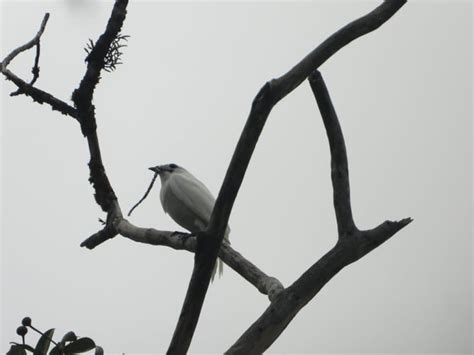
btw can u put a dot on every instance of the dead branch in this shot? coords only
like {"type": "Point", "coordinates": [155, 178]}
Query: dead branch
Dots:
{"type": "Point", "coordinates": [105, 195]}
{"type": "Point", "coordinates": [36, 94]}
{"type": "Point", "coordinates": [267, 285]}
{"type": "Point", "coordinates": [35, 70]}
{"type": "Point", "coordinates": [33, 42]}
{"type": "Point", "coordinates": [82, 98]}
{"type": "Point", "coordinates": [210, 240]}
{"type": "Point", "coordinates": [352, 243]}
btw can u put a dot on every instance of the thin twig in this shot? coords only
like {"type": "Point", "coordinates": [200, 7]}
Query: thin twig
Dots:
{"type": "Point", "coordinates": [27, 45]}
{"type": "Point", "coordinates": [35, 70]}
{"type": "Point", "coordinates": [36, 94]}
{"type": "Point", "coordinates": [144, 196]}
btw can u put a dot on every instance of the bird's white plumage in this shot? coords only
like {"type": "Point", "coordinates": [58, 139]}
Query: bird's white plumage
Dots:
{"type": "Point", "coordinates": [187, 200]}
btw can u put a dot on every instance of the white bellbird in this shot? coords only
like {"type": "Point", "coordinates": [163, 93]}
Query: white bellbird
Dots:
{"type": "Point", "coordinates": [187, 200]}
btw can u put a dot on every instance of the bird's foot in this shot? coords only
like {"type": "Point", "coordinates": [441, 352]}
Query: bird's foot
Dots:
{"type": "Point", "coordinates": [182, 237]}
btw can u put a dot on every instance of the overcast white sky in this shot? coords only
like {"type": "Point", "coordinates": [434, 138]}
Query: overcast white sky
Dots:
{"type": "Point", "coordinates": [190, 72]}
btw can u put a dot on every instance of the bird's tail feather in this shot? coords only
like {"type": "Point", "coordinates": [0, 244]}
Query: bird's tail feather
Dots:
{"type": "Point", "coordinates": [219, 266]}
{"type": "Point", "coordinates": [219, 263]}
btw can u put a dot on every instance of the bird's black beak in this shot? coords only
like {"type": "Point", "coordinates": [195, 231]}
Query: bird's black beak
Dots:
{"type": "Point", "coordinates": [155, 169]}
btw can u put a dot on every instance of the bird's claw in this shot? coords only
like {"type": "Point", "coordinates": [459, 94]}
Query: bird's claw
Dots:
{"type": "Point", "coordinates": [183, 237]}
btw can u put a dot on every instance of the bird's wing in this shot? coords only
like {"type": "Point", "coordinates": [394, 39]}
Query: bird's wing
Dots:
{"type": "Point", "coordinates": [195, 197]}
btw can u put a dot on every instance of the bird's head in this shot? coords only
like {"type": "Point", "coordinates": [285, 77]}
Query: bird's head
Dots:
{"type": "Point", "coordinates": [163, 169]}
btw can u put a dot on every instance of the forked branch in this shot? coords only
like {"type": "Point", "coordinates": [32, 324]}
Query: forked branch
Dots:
{"type": "Point", "coordinates": [268, 96]}
{"type": "Point", "coordinates": [267, 285]}
{"type": "Point", "coordinates": [349, 248]}
{"type": "Point", "coordinates": [286, 303]}
{"type": "Point", "coordinates": [105, 54]}
{"type": "Point", "coordinates": [36, 94]}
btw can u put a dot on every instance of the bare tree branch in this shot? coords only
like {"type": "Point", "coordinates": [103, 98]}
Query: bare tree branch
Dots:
{"type": "Point", "coordinates": [84, 111]}
{"type": "Point", "coordinates": [210, 240]}
{"type": "Point", "coordinates": [35, 70]}
{"type": "Point", "coordinates": [207, 245]}
{"type": "Point", "coordinates": [36, 94]}
{"type": "Point", "coordinates": [275, 90]}
{"type": "Point", "coordinates": [115, 223]}
{"type": "Point", "coordinates": [362, 26]}
{"type": "Point", "coordinates": [339, 164]}
{"type": "Point", "coordinates": [267, 285]}
{"type": "Point", "coordinates": [352, 243]}
{"type": "Point", "coordinates": [82, 97]}
{"type": "Point", "coordinates": [106, 233]}
{"type": "Point", "coordinates": [33, 42]}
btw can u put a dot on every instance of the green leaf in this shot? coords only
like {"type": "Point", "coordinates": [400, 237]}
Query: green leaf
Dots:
{"type": "Point", "coordinates": [44, 342]}
{"type": "Point", "coordinates": [24, 346]}
{"type": "Point", "coordinates": [69, 336]}
{"type": "Point", "coordinates": [16, 350]}
{"type": "Point", "coordinates": [81, 345]}
{"type": "Point", "coordinates": [55, 351]}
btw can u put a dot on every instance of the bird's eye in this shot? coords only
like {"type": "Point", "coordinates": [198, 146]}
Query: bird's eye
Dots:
{"type": "Point", "coordinates": [173, 166]}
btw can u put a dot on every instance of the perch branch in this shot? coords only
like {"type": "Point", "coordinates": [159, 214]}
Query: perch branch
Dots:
{"type": "Point", "coordinates": [36, 94]}
{"type": "Point", "coordinates": [351, 245]}
{"type": "Point", "coordinates": [267, 285]}
{"type": "Point", "coordinates": [210, 240]}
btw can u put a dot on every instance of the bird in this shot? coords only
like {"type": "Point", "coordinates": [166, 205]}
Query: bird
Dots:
{"type": "Point", "coordinates": [187, 201]}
